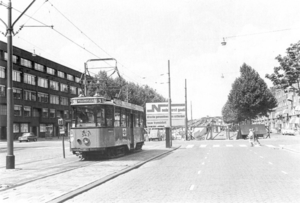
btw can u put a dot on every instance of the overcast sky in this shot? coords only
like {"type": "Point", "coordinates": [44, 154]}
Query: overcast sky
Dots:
{"type": "Point", "coordinates": [143, 35]}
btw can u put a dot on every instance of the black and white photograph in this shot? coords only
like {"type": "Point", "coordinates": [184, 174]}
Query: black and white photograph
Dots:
{"type": "Point", "coordinates": [150, 101]}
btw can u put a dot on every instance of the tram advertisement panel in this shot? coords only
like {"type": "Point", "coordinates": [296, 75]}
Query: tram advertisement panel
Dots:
{"type": "Point", "coordinates": [157, 115]}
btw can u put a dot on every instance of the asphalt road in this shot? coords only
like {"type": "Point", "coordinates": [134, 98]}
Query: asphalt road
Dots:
{"type": "Point", "coordinates": [209, 171]}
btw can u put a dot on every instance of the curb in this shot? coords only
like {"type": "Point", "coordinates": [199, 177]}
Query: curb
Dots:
{"type": "Point", "coordinates": [105, 179]}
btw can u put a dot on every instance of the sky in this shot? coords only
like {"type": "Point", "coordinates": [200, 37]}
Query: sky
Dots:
{"type": "Point", "coordinates": [143, 35]}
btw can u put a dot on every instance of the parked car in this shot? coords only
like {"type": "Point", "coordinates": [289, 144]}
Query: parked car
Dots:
{"type": "Point", "coordinates": [28, 137]}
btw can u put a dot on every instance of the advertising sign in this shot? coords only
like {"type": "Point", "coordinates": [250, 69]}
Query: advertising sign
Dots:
{"type": "Point", "coordinates": [157, 115]}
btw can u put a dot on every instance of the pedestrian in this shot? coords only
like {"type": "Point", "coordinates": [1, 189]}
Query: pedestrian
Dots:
{"type": "Point", "coordinates": [256, 138]}
{"type": "Point", "coordinates": [251, 137]}
{"type": "Point", "coordinates": [268, 132]}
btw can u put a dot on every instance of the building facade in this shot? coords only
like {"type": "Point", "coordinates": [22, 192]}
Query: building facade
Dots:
{"type": "Point", "coordinates": [41, 93]}
{"type": "Point", "coordinates": [286, 117]}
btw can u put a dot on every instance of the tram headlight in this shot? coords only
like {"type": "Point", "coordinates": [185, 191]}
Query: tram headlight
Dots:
{"type": "Point", "coordinates": [86, 141]}
{"type": "Point", "coordinates": [79, 141]}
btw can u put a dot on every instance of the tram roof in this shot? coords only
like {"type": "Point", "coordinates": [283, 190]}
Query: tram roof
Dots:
{"type": "Point", "coordinates": [82, 101]}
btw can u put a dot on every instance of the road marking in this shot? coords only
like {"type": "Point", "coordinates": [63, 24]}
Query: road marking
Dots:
{"type": "Point", "coordinates": [229, 145]}
{"type": "Point", "coordinates": [216, 145]}
{"type": "Point", "coordinates": [242, 145]}
{"type": "Point", "coordinates": [261, 157]}
{"type": "Point", "coordinates": [270, 163]}
{"type": "Point", "coordinates": [190, 146]}
{"type": "Point", "coordinates": [199, 172]}
{"type": "Point", "coordinates": [203, 145]}
{"type": "Point", "coordinates": [192, 187]}
{"type": "Point", "coordinates": [284, 172]}
{"type": "Point", "coordinates": [268, 145]}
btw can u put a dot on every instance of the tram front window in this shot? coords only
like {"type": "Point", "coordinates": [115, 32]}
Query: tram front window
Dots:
{"type": "Point", "coordinates": [85, 117]}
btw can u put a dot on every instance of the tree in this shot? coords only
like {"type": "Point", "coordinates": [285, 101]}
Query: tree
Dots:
{"type": "Point", "coordinates": [250, 96]}
{"type": "Point", "coordinates": [286, 75]}
{"type": "Point", "coordinates": [229, 114]}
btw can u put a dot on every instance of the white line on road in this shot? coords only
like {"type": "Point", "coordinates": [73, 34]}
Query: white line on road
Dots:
{"type": "Point", "coordinates": [216, 145]}
{"type": "Point", "coordinates": [270, 163]}
{"type": "Point", "coordinates": [192, 187]}
{"type": "Point", "coordinates": [203, 145]}
{"type": "Point", "coordinates": [190, 146]}
{"type": "Point", "coordinates": [284, 172]}
{"type": "Point", "coordinates": [268, 145]}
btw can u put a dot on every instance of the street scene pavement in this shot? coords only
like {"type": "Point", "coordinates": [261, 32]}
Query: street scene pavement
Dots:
{"type": "Point", "coordinates": [191, 171]}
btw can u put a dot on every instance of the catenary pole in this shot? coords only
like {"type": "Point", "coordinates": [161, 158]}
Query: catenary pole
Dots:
{"type": "Point", "coordinates": [186, 119]}
{"type": "Point", "coordinates": [169, 131]}
{"type": "Point", "coordinates": [10, 158]}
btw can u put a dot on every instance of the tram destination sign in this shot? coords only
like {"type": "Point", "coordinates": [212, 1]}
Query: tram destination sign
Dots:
{"type": "Point", "coordinates": [88, 100]}
{"type": "Point", "coordinates": [157, 115]}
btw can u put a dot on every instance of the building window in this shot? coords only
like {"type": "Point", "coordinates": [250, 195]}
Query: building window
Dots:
{"type": "Point", "coordinates": [43, 128]}
{"type": "Point", "coordinates": [70, 77]}
{"type": "Point", "coordinates": [2, 72]}
{"type": "Point", "coordinates": [50, 71]}
{"type": "Point", "coordinates": [35, 112]}
{"type": "Point", "coordinates": [29, 95]}
{"type": "Point", "coordinates": [77, 79]}
{"type": "Point", "coordinates": [16, 127]}
{"type": "Point", "coordinates": [26, 63]}
{"type": "Point", "coordinates": [59, 114]}
{"type": "Point", "coordinates": [66, 114]}
{"type": "Point", "coordinates": [52, 113]}
{"type": "Point", "coordinates": [63, 87]}
{"type": "Point", "coordinates": [27, 111]}
{"type": "Point", "coordinates": [14, 58]}
{"type": "Point", "coordinates": [54, 85]}
{"type": "Point", "coordinates": [17, 110]}
{"type": "Point", "coordinates": [39, 67]}
{"type": "Point", "coordinates": [17, 93]}
{"type": "Point", "coordinates": [54, 99]}
{"type": "Point", "coordinates": [42, 82]}
{"type": "Point", "coordinates": [64, 101]}
{"type": "Point", "coordinates": [45, 113]}
{"type": "Point", "coordinates": [2, 91]}
{"type": "Point", "coordinates": [42, 97]}
{"type": "Point", "coordinates": [29, 79]}
{"type": "Point", "coordinates": [80, 91]}
{"type": "Point", "coordinates": [16, 76]}
{"type": "Point", "coordinates": [60, 74]}
{"type": "Point", "coordinates": [73, 90]}
{"type": "Point", "coordinates": [24, 127]}
{"type": "Point", "coordinates": [3, 110]}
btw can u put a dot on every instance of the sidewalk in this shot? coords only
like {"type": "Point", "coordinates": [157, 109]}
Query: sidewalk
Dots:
{"type": "Point", "coordinates": [60, 179]}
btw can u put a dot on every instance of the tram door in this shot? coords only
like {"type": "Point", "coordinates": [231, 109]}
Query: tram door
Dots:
{"type": "Point", "coordinates": [131, 120]}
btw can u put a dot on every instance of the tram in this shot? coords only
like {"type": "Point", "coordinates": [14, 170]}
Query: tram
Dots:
{"type": "Point", "coordinates": [102, 127]}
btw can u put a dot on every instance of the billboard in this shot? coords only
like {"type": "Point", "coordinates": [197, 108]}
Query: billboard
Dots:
{"type": "Point", "coordinates": [157, 115]}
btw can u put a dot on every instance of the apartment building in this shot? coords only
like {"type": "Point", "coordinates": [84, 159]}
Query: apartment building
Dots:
{"type": "Point", "coordinates": [41, 93]}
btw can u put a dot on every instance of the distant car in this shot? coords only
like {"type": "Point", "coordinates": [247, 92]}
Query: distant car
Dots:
{"type": "Point", "coordinates": [28, 137]}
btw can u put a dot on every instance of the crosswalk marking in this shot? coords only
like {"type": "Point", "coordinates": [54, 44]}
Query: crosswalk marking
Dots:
{"type": "Point", "coordinates": [190, 146]}
{"type": "Point", "coordinates": [227, 145]}
{"type": "Point", "coordinates": [269, 145]}
{"type": "Point", "coordinates": [203, 145]}
{"type": "Point", "coordinates": [243, 145]}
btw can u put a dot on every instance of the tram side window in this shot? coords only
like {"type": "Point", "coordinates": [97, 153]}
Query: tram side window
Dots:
{"type": "Point", "coordinates": [123, 117]}
{"type": "Point", "coordinates": [85, 117]}
{"type": "Point", "coordinates": [117, 116]}
{"type": "Point", "coordinates": [137, 119]}
{"type": "Point", "coordinates": [109, 116]}
{"type": "Point", "coordinates": [141, 120]}
{"type": "Point", "coordinates": [101, 117]}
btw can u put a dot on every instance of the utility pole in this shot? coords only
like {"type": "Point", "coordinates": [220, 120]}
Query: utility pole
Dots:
{"type": "Point", "coordinates": [10, 158]}
{"type": "Point", "coordinates": [186, 118]}
{"type": "Point", "coordinates": [169, 128]}
{"type": "Point", "coordinates": [191, 111]}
